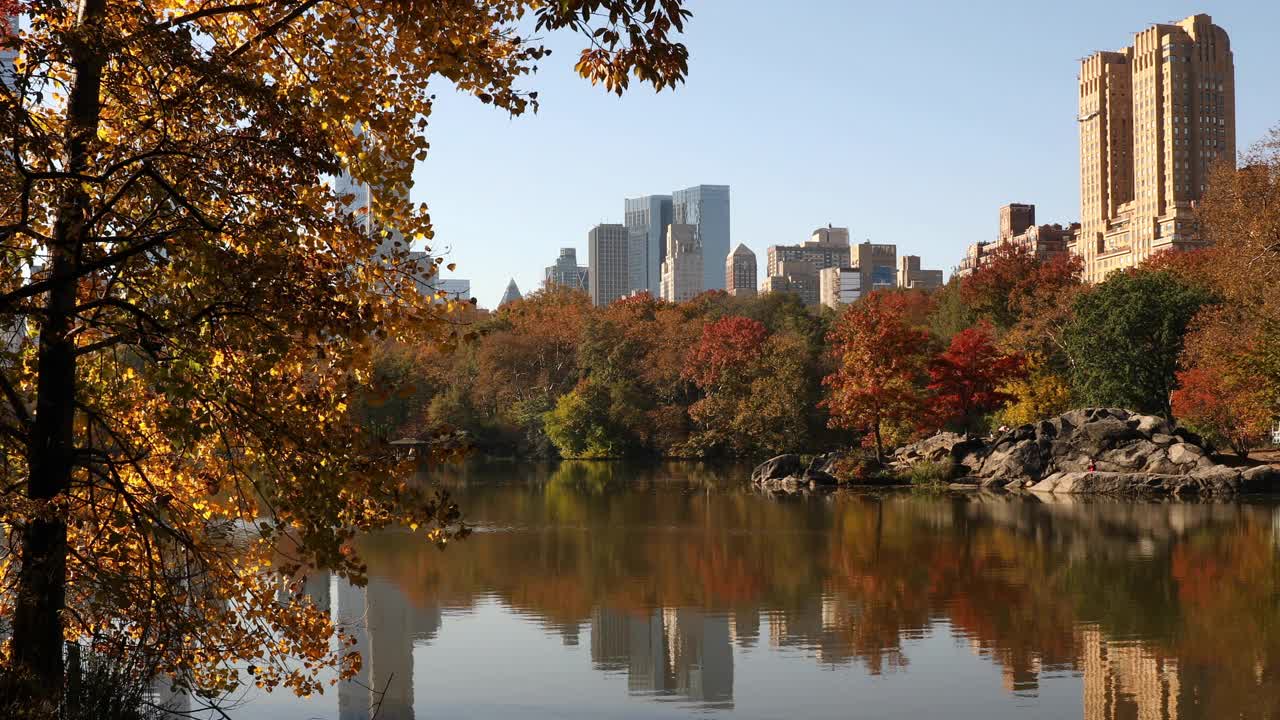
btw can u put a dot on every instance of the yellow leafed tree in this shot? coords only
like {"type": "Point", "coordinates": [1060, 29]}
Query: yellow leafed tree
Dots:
{"type": "Point", "coordinates": [188, 306]}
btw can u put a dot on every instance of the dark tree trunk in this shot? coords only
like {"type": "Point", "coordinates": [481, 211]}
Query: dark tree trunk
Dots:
{"type": "Point", "coordinates": [42, 577]}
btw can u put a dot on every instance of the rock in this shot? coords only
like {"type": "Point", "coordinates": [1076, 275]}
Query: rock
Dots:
{"type": "Point", "coordinates": [1154, 425]}
{"type": "Point", "coordinates": [1217, 481]}
{"type": "Point", "coordinates": [1185, 454]}
{"type": "Point", "coordinates": [1021, 460]}
{"type": "Point", "coordinates": [1094, 450]}
{"type": "Point", "coordinates": [1159, 462]}
{"type": "Point", "coordinates": [1264, 478]}
{"type": "Point", "coordinates": [933, 449]}
{"type": "Point", "coordinates": [777, 468]}
{"type": "Point", "coordinates": [820, 477]}
{"type": "Point", "coordinates": [1108, 433]}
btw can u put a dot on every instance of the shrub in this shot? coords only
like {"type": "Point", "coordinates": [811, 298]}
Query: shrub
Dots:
{"type": "Point", "coordinates": [927, 472]}
{"type": "Point", "coordinates": [858, 469]}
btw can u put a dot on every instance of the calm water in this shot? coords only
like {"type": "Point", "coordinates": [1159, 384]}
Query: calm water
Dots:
{"type": "Point", "coordinates": [593, 591]}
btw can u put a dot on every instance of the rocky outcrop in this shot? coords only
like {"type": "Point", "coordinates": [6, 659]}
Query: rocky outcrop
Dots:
{"type": "Point", "coordinates": [1213, 481]}
{"type": "Point", "coordinates": [789, 473]}
{"type": "Point", "coordinates": [1095, 450]}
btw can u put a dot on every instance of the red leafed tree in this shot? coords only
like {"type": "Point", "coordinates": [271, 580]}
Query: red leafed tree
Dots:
{"type": "Point", "coordinates": [878, 384]}
{"type": "Point", "coordinates": [1012, 283]}
{"type": "Point", "coordinates": [965, 378]}
{"type": "Point", "coordinates": [726, 344]}
{"type": "Point", "coordinates": [1223, 389]}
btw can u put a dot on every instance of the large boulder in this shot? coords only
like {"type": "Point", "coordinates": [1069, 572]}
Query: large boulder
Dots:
{"type": "Point", "coordinates": [777, 468]}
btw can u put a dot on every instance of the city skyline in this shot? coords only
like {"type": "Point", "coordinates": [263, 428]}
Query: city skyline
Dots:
{"type": "Point", "coordinates": [984, 114]}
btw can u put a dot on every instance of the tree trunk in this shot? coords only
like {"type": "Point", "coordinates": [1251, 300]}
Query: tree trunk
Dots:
{"type": "Point", "coordinates": [42, 578]}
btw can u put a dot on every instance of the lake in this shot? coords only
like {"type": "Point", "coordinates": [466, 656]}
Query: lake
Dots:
{"type": "Point", "coordinates": [602, 591]}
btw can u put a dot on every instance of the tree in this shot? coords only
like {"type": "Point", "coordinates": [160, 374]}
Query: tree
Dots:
{"type": "Point", "coordinates": [725, 349]}
{"type": "Point", "coordinates": [200, 307]}
{"type": "Point", "coordinates": [1223, 390]}
{"type": "Point", "coordinates": [595, 420]}
{"type": "Point", "coordinates": [1012, 283]}
{"type": "Point", "coordinates": [1125, 338]}
{"type": "Point", "coordinates": [754, 388]}
{"type": "Point", "coordinates": [951, 313]}
{"type": "Point", "coordinates": [1222, 409]}
{"type": "Point", "coordinates": [966, 378]}
{"type": "Point", "coordinates": [1038, 393]}
{"type": "Point", "coordinates": [1240, 215]}
{"type": "Point", "coordinates": [877, 386]}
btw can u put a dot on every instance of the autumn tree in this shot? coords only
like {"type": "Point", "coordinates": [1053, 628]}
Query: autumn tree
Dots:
{"type": "Point", "coordinates": [1038, 393]}
{"type": "Point", "coordinates": [755, 389]}
{"type": "Point", "coordinates": [1239, 343]}
{"type": "Point", "coordinates": [1013, 283]}
{"type": "Point", "coordinates": [1226, 389]}
{"type": "Point", "coordinates": [1126, 336]}
{"type": "Point", "coordinates": [967, 378]}
{"type": "Point", "coordinates": [877, 387]}
{"type": "Point", "coordinates": [196, 303]}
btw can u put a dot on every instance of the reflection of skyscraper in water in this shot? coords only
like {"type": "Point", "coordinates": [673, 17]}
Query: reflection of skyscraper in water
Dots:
{"type": "Point", "coordinates": [353, 694]}
{"type": "Point", "coordinates": [386, 627]}
{"type": "Point", "coordinates": [1126, 681]}
{"type": "Point", "coordinates": [667, 652]}
{"type": "Point", "coordinates": [746, 626]}
{"type": "Point", "coordinates": [610, 639]}
{"type": "Point", "coordinates": [702, 657]}
{"type": "Point", "coordinates": [316, 587]}
{"type": "Point", "coordinates": [647, 649]}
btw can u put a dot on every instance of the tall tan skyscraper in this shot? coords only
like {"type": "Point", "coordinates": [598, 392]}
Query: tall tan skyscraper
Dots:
{"type": "Point", "coordinates": [1154, 118]}
{"type": "Point", "coordinates": [682, 267]}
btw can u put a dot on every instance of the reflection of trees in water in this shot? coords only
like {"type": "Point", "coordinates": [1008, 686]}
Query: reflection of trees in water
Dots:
{"type": "Point", "coordinates": [1136, 590]}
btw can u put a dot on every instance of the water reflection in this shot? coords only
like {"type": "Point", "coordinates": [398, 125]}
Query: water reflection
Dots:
{"type": "Point", "coordinates": [386, 627]}
{"type": "Point", "coordinates": [681, 590]}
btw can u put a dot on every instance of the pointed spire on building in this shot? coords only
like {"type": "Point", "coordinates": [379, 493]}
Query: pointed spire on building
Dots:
{"type": "Point", "coordinates": [511, 295]}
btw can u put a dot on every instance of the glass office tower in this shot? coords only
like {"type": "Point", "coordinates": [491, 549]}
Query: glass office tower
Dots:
{"type": "Point", "coordinates": [707, 207]}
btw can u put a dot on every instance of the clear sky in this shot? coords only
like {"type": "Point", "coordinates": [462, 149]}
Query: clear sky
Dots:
{"type": "Point", "coordinates": [908, 122]}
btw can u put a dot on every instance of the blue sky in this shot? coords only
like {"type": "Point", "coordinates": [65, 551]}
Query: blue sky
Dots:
{"type": "Point", "coordinates": [908, 122]}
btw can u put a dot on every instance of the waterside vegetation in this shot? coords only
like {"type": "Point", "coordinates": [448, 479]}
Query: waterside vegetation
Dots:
{"type": "Point", "coordinates": [1187, 335]}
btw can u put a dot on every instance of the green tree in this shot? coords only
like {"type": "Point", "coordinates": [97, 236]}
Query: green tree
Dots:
{"type": "Point", "coordinates": [1125, 337]}
{"type": "Point", "coordinates": [594, 420]}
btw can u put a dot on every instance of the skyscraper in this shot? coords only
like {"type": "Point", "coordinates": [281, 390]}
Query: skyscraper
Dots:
{"type": "Point", "coordinates": [839, 286]}
{"type": "Point", "coordinates": [608, 274]}
{"type": "Point", "coordinates": [646, 219]}
{"type": "Point", "coordinates": [826, 247]}
{"type": "Point", "coordinates": [566, 271]}
{"type": "Point", "coordinates": [911, 276]}
{"type": "Point", "coordinates": [511, 294]}
{"type": "Point", "coordinates": [878, 264]}
{"type": "Point", "coordinates": [1154, 117]}
{"type": "Point", "coordinates": [740, 272]}
{"type": "Point", "coordinates": [683, 266]}
{"type": "Point", "coordinates": [365, 201]}
{"type": "Point", "coordinates": [707, 208]}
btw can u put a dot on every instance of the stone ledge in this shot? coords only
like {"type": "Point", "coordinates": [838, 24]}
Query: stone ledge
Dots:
{"type": "Point", "coordinates": [1214, 481]}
